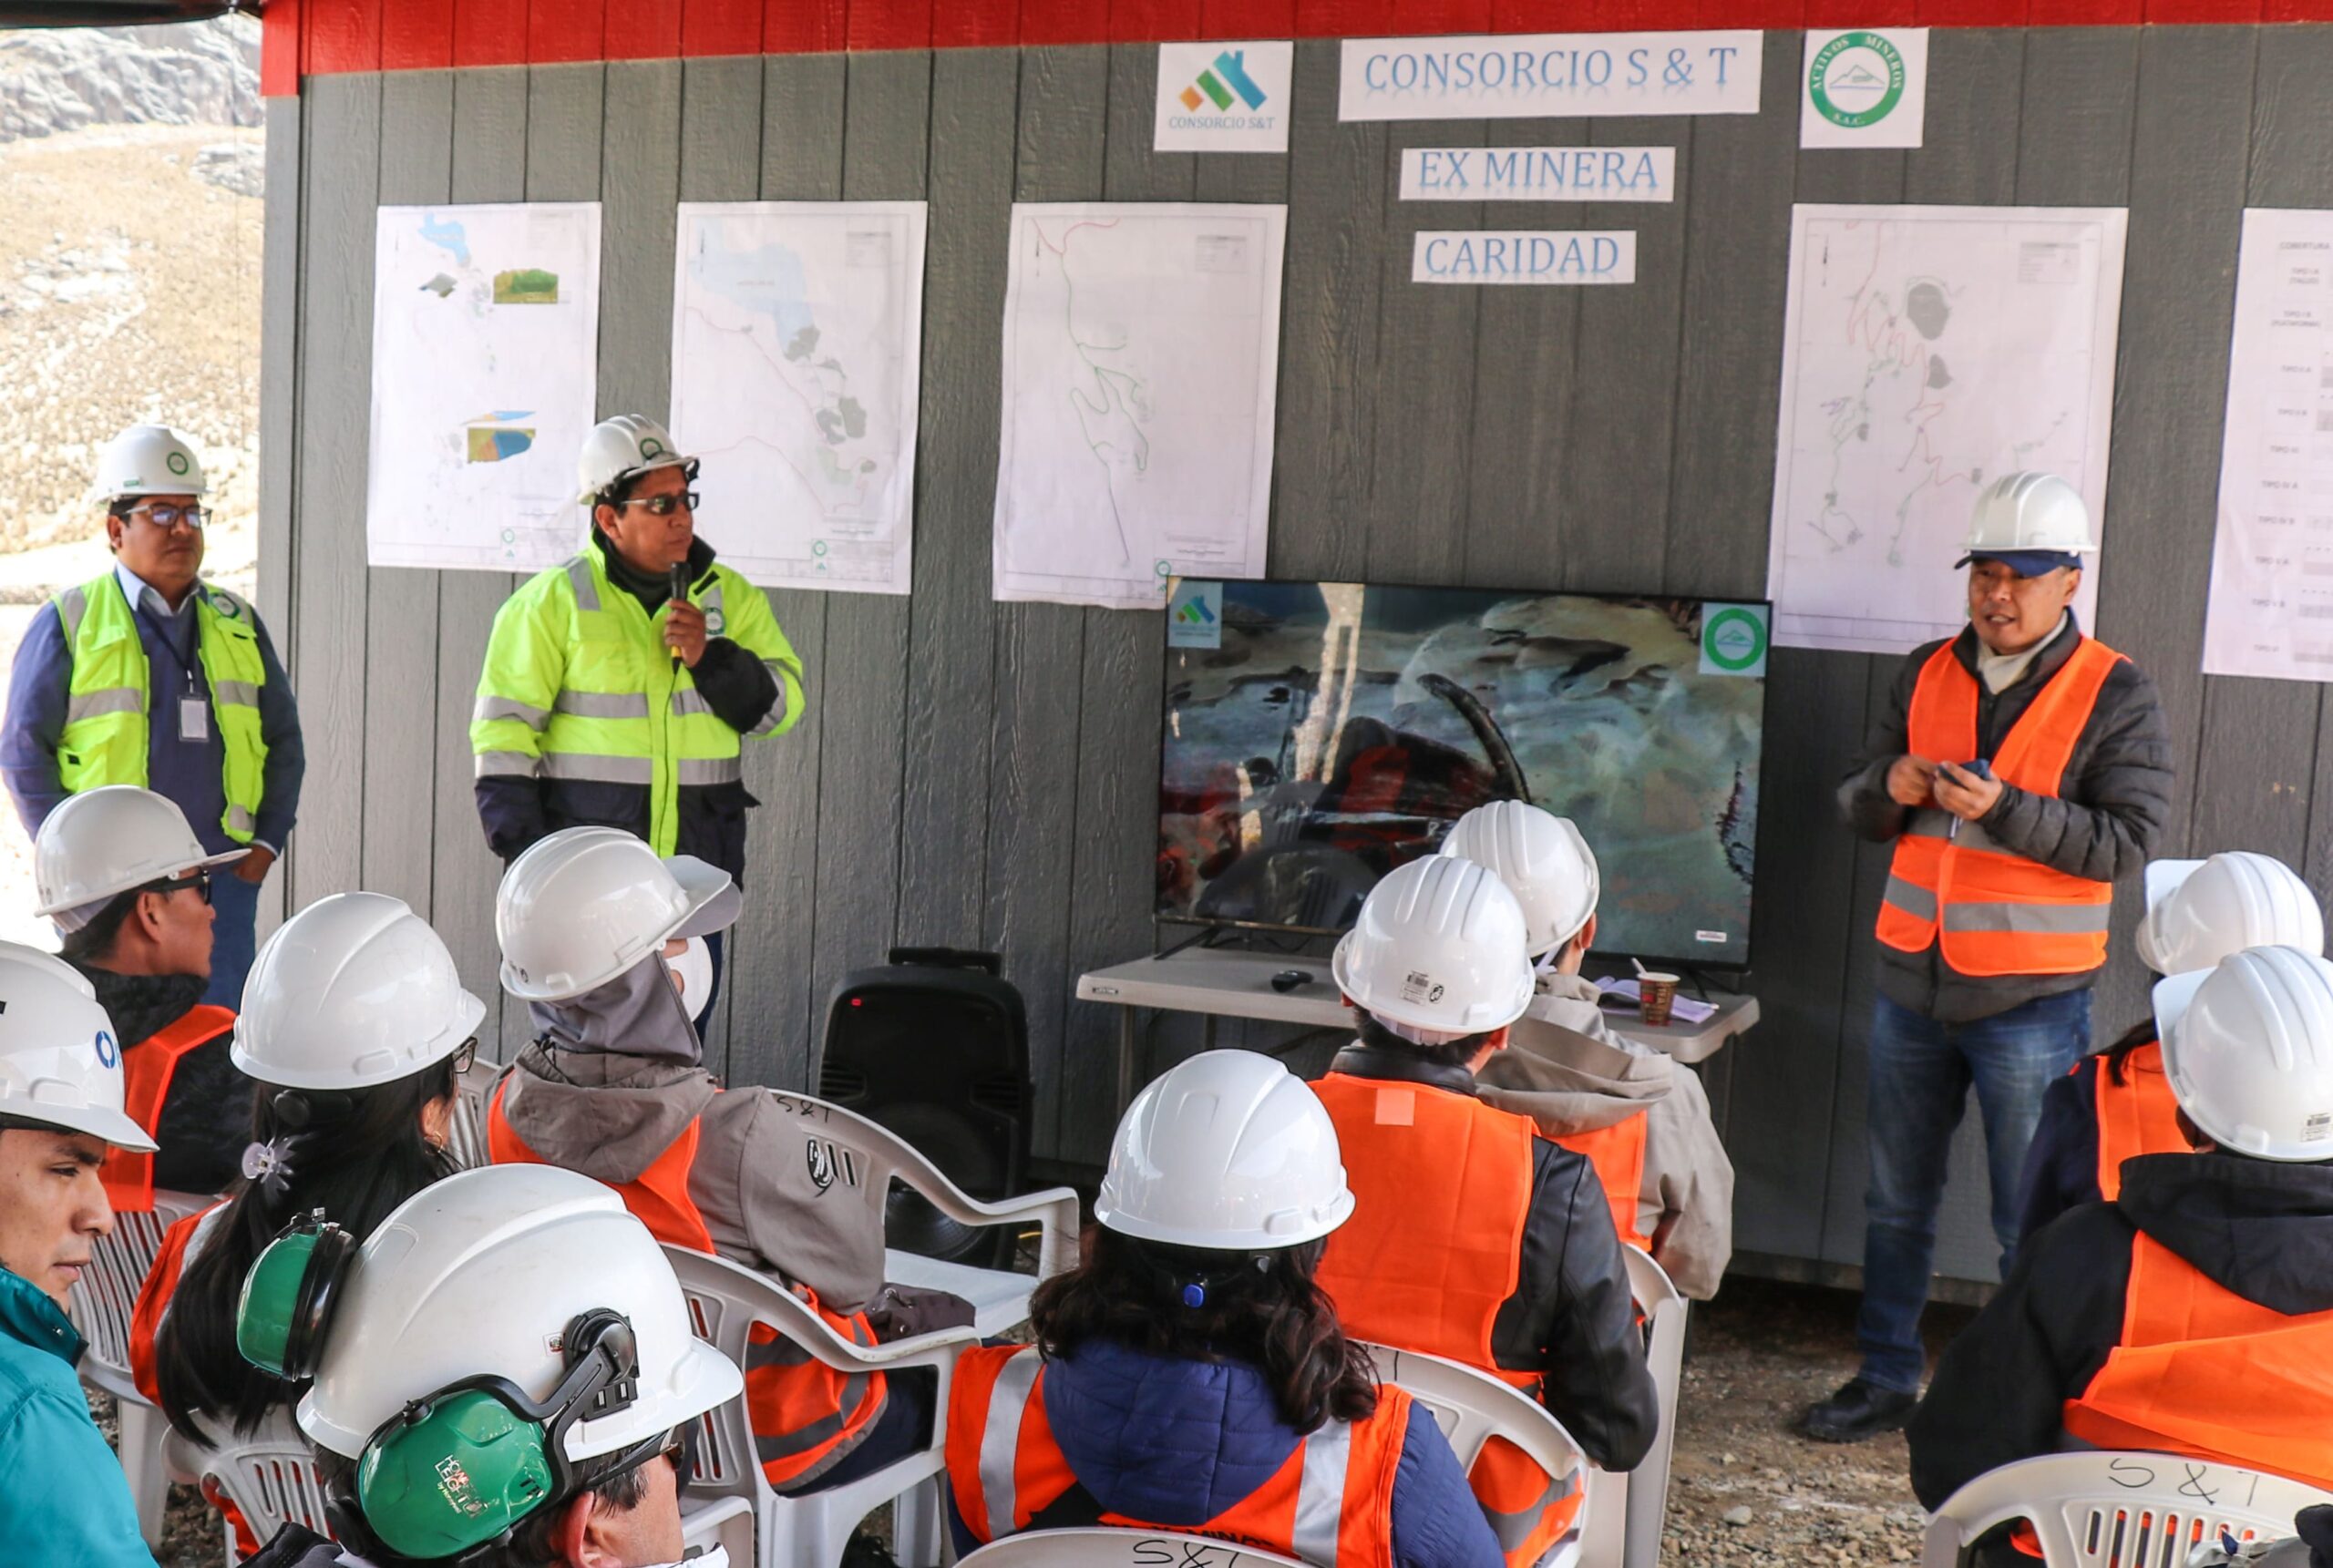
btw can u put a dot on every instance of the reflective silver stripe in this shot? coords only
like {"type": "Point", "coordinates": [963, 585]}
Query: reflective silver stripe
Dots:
{"type": "Point", "coordinates": [241, 821]}
{"type": "Point", "coordinates": [1914, 900]}
{"type": "Point", "coordinates": [489, 709]}
{"type": "Point", "coordinates": [711, 602]}
{"type": "Point", "coordinates": [1514, 1529]}
{"type": "Point", "coordinates": [688, 701]}
{"type": "Point", "coordinates": [2034, 920]}
{"type": "Point", "coordinates": [1001, 1438]}
{"type": "Point", "coordinates": [707, 770]}
{"type": "Point", "coordinates": [579, 578]}
{"type": "Point", "coordinates": [241, 693]}
{"type": "Point", "coordinates": [779, 1352]}
{"type": "Point", "coordinates": [71, 606]}
{"type": "Point", "coordinates": [518, 763]}
{"type": "Point", "coordinates": [602, 704]}
{"type": "Point", "coordinates": [825, 1428]}
{"type": "Point", "coordinates": [1929, 822]}
{"type": "Point", "coordinates": [1320, 1494]}
{"type": "Point", "coordinates": [785, 704]}
{"type": "Point", "coordinates": [587, 766]}
{"type": "Point", "coordinates": [110, 700]}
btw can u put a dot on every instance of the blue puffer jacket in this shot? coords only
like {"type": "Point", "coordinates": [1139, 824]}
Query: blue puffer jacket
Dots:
{"type": "Point", "coordinates": [64, 1499]}
{"type": "Point", "coordinates": [1176, 1442]}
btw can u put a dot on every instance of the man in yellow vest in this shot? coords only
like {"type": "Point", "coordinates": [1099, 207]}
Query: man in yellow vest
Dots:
{"type": "Point", "coordinates": [2020, 769]}
{"type": "Point", "coordinates": [149, 676]}
{"type": "Point", "coordinates": [610, 700]}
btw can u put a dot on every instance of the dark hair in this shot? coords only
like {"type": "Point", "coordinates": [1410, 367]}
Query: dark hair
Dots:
{"type": "Point", "coordinates": [96, 939]}
{"type": "Point", "coordinates": [619, 1486]}
{"type": "Point", "coordinates": [2137, 1035]}
{"type": "Point", "coordinates": [1456, 1053]}
{"type": "Point", "coordinates": [1262, 1308]}
{"type": "Point", "coordinates": [356, 1156]}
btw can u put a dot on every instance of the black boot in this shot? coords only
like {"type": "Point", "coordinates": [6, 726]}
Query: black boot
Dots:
{"type": "Point", "coordinates": [1857, 1413]}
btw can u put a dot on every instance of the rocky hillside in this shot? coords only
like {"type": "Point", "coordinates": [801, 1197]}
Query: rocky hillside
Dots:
{"type": "Point", "coordinates": [197, 73]}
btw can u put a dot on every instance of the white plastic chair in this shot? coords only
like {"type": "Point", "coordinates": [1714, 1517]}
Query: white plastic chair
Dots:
{"type": "Point", "coordinates": [725, 1300]}
{"type": "Point", "coordinates": [103, 1301]}
{"type": "Point", "coordinates": [2110, 1508]}
{"type": "Point", "coordinates": [466, 1138]}
{"type": "Point", "coordinates": [1664, 1309]}
{"type": "Point", "coordinates": [1471, 1408]}
{"type": "Point", "coordinates": [1120, 1549]}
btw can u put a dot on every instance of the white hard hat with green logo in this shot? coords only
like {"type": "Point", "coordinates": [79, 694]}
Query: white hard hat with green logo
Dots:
{"type": "Point", "coordinates": [624, 448]}
{"type": "Point", "coordinates": [147, 460]}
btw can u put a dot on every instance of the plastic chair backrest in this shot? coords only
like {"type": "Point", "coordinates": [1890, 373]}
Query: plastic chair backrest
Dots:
{"type": "Point", "coordinates": [1471, 1408]}
{"type": "Point", "coordinates": [271, 1476]}
{"type": "Point", "coordinates": [105, 1296]}
{"type": "Point", "coordinates": [2114, 1508]}
{"type": "Point", "coordinates": [1119, 1549]}
{"type": "Point", "coordinates": [467, 1136]}
{"type": "Point", "coordinates": [1664, 1309]}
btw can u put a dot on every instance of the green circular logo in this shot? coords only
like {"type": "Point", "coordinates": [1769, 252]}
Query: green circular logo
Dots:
{"type": "Point", "coordinates": [175, 462]}
{"type": "Point", "coordinates": [651, 448]}
{"type": "Point", "coordinates": [1856, 79]}
{"type": "Point", "coordinates": [1735, 640]}
{"type": "Point", "coordinates": [818, 547]}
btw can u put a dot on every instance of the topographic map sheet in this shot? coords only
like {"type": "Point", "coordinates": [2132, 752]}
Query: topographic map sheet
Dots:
{"type": "Point", "coordinates": [486, 331]}
{"type": "Point", "coordinates": [1141, 352]}
{"type": "Point", "coordinates": [796, 348]}
{"type": "Point", "coordinates": [1929, 351]}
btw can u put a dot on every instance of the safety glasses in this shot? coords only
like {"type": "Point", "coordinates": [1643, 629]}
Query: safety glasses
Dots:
{"type": "Point", "coordinates": [665, 505]}
{"type": "Point", "coordinates": [167, 517]}
{"type": "Point", "coordinates": [200, 881]}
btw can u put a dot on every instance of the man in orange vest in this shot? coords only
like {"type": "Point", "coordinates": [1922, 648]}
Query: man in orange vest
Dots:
{"type": "Point", "coordinates": [1642, 1119]}
{"type": "Point", "coordinates": [2118, 1104]}
{"type": "Point", "coordinates": [2194, 1313]}
{"type": "Point", "coordinates": [613, 1086]}
{"type": "Point", "coordinates": [125, 879]}
{"type": "Point", "coordinates": [1472, 1236]}
{"type": "Point", "coordinates": [2020, 770]}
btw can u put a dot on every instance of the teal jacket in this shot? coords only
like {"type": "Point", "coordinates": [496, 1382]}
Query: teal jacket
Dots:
{"type": "Point", "coordinates": [64, 1499]}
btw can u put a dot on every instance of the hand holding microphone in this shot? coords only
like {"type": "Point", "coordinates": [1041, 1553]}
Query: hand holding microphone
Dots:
{"type": "Point", "coordinates": [685, 628]}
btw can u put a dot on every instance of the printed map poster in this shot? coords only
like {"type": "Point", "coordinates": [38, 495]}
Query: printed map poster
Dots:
{"type": "Point", "coordinates": [486, 329]}
{"type": "Point", "coordinates": [1141, 353]}
{"type": "Point", "coordinates": [1927, 352]}
{"type": "Point", "coordinates": [797, 358]}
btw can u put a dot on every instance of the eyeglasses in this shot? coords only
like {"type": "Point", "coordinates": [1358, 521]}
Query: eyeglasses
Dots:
{"type": "Point", "coordinates": [168, 517]}
{"type": "Point", "coordinates": [200, 881]}
{"type": "Point", "coordinates": [465, 1056]}
{"type": "Point", "coordinates": [665, 505]}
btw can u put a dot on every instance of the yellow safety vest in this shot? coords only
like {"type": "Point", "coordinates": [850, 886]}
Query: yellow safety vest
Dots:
{"type": "Point", "coordinates": [578, 685]}
{"type": "Point", "coordinates": [105, 737]}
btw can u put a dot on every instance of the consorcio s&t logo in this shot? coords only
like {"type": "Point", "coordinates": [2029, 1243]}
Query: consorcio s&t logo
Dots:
{"type": "Point", "coordinates": [1856, 79]}
{"type": "Point", "coordinates": [1735, 640]}
{"type": "Point", "coordinates": [1220, 82]}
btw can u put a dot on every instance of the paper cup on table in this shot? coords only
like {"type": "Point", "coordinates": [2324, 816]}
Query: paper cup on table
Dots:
{"type": "Point", "coordinates": [1655, 994]}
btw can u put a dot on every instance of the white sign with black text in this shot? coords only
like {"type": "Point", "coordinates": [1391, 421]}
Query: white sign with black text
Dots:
{"type": "Point", "coordinates": [1523, 256]}
{"type": "Point", "coordinates": [1864, 87]}
{"type": "Point", "coordinates": [1549, 76]}
{"type": "Point", "coordinates": [1539, 174]}
{"type": "Point", "coordinates": [1223, 97]}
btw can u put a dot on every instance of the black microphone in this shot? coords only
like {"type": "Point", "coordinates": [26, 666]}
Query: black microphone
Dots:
{"type": "Point", "coordinates": [676, 577]}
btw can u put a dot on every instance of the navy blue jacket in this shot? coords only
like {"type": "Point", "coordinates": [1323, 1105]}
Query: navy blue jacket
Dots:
{"type": "Point", "coordinates": [187, 772]}
{"type": "Point", "coordinates": [2061, 1162]}
{"type": "Point", "coordinates": [1176, 1442]}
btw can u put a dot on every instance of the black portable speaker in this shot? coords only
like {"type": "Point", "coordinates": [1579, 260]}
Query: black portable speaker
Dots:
{"type": "Point", "coordinates": [934, 1045]}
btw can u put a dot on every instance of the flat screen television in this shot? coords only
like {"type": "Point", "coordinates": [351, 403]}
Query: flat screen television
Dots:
{"type": "Point", "coordinates": [1318, 735]}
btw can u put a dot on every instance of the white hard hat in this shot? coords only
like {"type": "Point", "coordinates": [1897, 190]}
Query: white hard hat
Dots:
{"type": "Point", "coordinates": [2022, 513]}
{"type": "Point", "coordinates": [1543, 860]}
{"type": "Point", "coordinates": [101, 843]}
{"type": "Point", "coordinates": [354, 990]}
{"type": "Point", "coordinates": [2249, 1049]}
{"type": "Point", "coordinates": [586, 903]}
{"type": "Point", "coordinates": [479, 1274]}
{"type": "Point", "coordinates": [1230, 1151]}
{"type": "Point", "coordinates": [621, 448]}
{"type": "Point", "coordinates": [60, 1061]}
{"type": "Point", "coordinates": [2200, 911]}
{"type": "Point", "coordinates": [147, 460]}
{"type": "Point", "coordinates": [1440, 948]}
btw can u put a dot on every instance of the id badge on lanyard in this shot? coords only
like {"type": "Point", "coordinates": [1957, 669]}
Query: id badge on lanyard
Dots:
{"type": "Point", "coordinates": [194, 714]}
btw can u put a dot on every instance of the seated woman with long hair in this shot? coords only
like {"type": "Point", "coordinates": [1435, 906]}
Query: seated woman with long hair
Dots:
{"type": "Point", "coordinates": [1189, 1376]}
{"type": "Point", "coordinates": [356, 1028]}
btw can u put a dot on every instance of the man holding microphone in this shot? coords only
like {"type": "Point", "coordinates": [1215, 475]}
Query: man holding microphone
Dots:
{"type": "Point", "coordinates": [617, 686]}
{"type": "Point", "coordinates": [2020, 770]}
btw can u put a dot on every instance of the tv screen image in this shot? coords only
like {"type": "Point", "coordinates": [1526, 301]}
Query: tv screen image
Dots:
{"type": "Point", "coordinates": [1318, 735]}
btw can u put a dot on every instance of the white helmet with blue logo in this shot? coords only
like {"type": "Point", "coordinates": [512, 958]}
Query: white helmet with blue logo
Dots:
{"type": "Point", "coordinates": [60, 1061]}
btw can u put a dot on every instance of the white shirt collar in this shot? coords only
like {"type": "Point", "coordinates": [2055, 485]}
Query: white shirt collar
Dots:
{"type": "Point", "coordinates": [137, 591]}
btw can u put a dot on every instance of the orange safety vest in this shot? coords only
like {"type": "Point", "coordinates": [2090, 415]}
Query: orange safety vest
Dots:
{"type": "Point", "coordinates": [805, 1414]}
{"type": "Point", "coordinates": [1331, 1504]}
{"type": "Point", "coordinates": [2204, 1373]}
{"type": "Point", "coordinates": [1442, 1188]}
{"type": "Point", "coordinates": [1994, 911]}
{"type": "Point", "coordinates": [1618, 1153]}
{"type": "Point", "coordinates": [147, 1069]}
{"type": "Point", "coordinates": [2137, 1116]}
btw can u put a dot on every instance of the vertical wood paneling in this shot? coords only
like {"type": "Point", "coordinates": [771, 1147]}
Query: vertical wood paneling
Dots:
{"type": "Point", "coordinates": [770, 952]}
{"type": "Point", "coordinates": [640, 177]}
{"type": "Point", "coordinates": [279, 413]}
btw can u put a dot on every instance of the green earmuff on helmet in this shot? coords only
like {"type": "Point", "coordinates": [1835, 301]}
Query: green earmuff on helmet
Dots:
{"type": "Point", "coordinates": [289, 1296]}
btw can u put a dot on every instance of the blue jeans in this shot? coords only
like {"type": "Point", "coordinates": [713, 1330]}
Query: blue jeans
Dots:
{"type": "Point", "coordinates": [1920, 1075]}
{"type": "Point", "coordinates": [232, 940]}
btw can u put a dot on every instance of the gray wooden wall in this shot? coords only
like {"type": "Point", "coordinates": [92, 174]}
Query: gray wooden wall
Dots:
{"type": "Point", "coordinates": [977, 773]}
